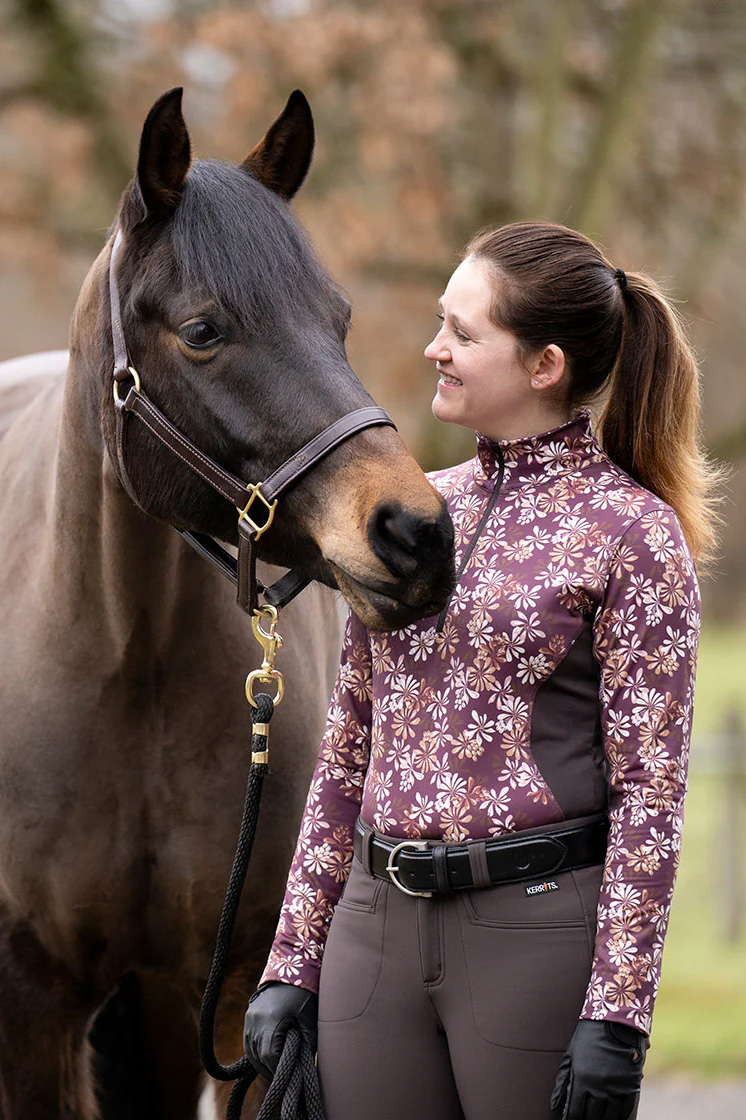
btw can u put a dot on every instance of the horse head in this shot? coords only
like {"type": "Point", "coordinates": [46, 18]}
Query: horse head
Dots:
{"type": "Point", "coordinates": [238, 334]}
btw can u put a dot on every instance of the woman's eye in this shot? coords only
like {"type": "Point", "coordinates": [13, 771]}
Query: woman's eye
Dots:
{"type": "Point", "coordinates": [459, 334]}
{"type": "Point", "coordinates": [199, 334]}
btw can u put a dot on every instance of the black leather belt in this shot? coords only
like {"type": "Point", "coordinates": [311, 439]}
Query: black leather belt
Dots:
{"type": "Point", "coordinates": [426, 867]}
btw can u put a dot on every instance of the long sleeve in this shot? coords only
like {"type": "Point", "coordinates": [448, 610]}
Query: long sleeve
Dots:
{"type": "Point", "coordinates": [323, 854]}
{"type": "Point", "coordinates": [646, 638]}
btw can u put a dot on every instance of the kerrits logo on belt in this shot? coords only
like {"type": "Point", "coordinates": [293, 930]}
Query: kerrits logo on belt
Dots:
{"type": "Point", "coordinates": [543, 888]}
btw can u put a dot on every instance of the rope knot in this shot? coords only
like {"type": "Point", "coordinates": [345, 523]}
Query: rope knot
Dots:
{"type": "Point", "coordinates": [265, 706]}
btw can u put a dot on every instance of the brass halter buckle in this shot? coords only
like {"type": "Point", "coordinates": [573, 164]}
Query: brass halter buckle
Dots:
{"type": "Point", "coordinates": [393, 870]}
{"type": "Point", "coordinates": [270, 641]}
{"type": "Point", "coordinates": [254, 489]}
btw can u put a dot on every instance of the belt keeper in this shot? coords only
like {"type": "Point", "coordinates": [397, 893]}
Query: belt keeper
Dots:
{"type": "Point", "coordinates": [440, 867]}
{"type": "Point", "coordinates": [366, 840]}
{"type": "Point", "coordinates": [480, 875]}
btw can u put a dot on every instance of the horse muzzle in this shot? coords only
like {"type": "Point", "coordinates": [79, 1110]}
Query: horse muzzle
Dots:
{"type": "Point", "coordinates": [414, 576]}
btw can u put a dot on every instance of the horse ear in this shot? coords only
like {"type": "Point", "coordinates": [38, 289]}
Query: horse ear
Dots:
{"type": "Point", "coordinates": [165, 155]}
{"type": "Point", "coordinates": [283, 157]}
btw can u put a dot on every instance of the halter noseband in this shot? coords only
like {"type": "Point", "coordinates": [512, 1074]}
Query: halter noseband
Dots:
{"type": "Point", "coordinates": [255, 502]}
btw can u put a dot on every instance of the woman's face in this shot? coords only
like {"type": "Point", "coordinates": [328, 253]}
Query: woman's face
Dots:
{"type": "Point", "coordinates": [483, 383]}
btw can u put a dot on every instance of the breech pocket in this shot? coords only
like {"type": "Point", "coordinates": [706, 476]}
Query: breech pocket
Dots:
{"type": "Point", "coordinates": [558, 900]}
{"type": "Point", "coordinates": [528, 960]}
{"type": "Point", "coordinates": [361, 891]}
{"type": "Point", "coordinates": [354, 949]}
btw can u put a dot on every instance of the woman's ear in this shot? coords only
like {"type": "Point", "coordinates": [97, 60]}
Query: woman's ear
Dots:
{"type": "Point", "coordinates": [549, 368]}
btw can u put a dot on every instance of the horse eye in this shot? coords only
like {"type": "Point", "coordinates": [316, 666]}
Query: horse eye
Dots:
{"type": "Point", "coordinates": [199, 334]}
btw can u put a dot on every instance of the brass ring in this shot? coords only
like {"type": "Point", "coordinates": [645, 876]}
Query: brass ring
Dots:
{"type": "Point", "coordinates": [136, 378]}
{"type": "Point", "coordinates": [265, 677]}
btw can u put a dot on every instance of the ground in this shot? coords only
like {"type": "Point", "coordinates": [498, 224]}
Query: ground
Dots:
{"type": "Point", "coordinates": [685, 1100]}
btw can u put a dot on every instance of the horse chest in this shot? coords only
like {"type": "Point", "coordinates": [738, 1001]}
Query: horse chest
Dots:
{"type": "Point", "coordinates": [121, 795]}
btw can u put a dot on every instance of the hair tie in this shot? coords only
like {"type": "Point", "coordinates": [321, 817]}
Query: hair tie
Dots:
{"type": "Point", "coordinates": [621, 276]}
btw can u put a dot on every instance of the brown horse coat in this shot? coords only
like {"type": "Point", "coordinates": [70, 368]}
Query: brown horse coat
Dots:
{"type": "Point", "coordinates": [124, 742]}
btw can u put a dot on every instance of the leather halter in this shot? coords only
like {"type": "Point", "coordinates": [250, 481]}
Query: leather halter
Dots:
{"type": "Point", "coordinates": [254, 502]}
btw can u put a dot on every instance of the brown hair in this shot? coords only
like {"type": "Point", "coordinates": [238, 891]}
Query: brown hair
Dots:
{"type": "Point", "coordinates": [621, 336]}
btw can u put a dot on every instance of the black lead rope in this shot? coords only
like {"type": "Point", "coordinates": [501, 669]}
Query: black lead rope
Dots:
{"type": "Point", "coordinates": [251, 500]}
{"type": "Point", "coordinates": [294, 1092]}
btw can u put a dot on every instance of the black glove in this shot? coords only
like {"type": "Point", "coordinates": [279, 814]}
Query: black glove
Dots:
{"type": "Point", "coordinates": [273, 1009]}
{"type": "Point", "coordinates": [600, 1074]}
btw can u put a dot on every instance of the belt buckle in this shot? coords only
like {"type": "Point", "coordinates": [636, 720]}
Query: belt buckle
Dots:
{"type": "Point", "coordinates": [391, 867]}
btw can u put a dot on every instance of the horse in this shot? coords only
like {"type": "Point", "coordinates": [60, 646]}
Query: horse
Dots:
{"type": "Point", "coordinates": [125, 730]}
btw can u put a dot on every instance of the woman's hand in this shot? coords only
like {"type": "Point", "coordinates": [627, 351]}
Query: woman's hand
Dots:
{"type": "Point", "coordinates": [600, 1075]}
{"type": "Point", "coordinates": [272, 1010]}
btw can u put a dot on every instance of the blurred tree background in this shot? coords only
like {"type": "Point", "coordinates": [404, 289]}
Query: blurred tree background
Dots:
{"type": "Point", "coordinates": [623, 118]}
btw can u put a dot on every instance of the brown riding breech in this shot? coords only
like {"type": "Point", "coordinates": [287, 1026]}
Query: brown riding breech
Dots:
{"type": "Point", "coordinates": [456, 1007]}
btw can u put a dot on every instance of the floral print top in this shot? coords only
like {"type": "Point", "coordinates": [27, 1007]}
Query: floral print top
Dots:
{"type": "Point", "coordinates": [432, 732]}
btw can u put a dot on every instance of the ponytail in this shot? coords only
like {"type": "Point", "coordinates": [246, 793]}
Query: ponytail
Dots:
{"type": "Point", "coordinates": [626, 346]}
{"type": "Point", "coordinates": [650, 424]}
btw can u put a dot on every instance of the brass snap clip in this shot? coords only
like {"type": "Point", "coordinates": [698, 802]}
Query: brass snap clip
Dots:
{"type": "Point", "coordinates": [270, 641]}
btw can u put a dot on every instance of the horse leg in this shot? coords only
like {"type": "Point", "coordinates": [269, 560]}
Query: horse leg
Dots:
{"type": "Point", "coordinates": [45, 1058]}
{"type": "Point", "coordinates": [159, 1076]}
{"type": "Point", "coordinates": [148, 1063]}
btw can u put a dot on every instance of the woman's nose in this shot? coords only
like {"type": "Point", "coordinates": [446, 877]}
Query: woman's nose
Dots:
{"type": "Point", "coordinates": [436, 350]}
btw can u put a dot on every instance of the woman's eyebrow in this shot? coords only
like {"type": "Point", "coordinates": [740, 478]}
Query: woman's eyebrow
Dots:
{"type": "Point", "coordinates": [458, 321]}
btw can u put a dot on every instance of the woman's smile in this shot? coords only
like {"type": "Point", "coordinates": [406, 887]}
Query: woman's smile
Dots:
{"type": "Point", "coordinates": [447, 380]}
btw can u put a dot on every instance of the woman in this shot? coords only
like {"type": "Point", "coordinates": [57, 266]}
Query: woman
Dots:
{"type": "Point", "coordinates": [519, 763]}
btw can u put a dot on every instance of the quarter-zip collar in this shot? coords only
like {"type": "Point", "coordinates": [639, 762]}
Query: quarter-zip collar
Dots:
{"type": "Point", "coordinates": [538, 457]}
{"type": "Point", "coordinates": [510, 463]}
{"type": "Point", "coordinates": [486, 514]}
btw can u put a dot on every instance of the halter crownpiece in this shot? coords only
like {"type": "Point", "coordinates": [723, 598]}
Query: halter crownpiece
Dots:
{"type": "Point", "coordinates": [621, 276]}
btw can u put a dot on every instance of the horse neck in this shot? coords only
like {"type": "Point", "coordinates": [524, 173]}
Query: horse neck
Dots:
{"type": "Point", "coordinates": [106, 558]}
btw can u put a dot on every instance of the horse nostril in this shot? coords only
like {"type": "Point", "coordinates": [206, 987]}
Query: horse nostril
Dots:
{"type": "Point", "coordinates": [416, 548]}
{"type": "Point", "coordinates": [396, 530]}
{"type": "Point", "coordinates": [393, 535]}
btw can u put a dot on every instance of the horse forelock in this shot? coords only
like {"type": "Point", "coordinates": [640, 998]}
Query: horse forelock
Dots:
{"type": "Point", "coordinates": [235, 241]}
